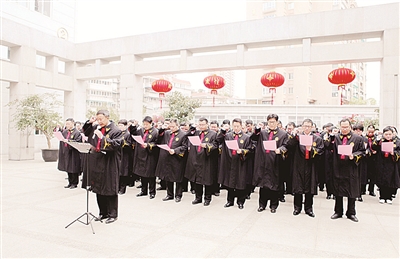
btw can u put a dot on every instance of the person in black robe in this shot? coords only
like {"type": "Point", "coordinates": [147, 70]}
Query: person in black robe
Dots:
{"type": "Point", "coordinates": [145, 156]}
{"type": "Point", "coordinates": [102, 170]}
{"type": "Point", "coordinates": [171, 165]}
{"type": "Point", "coordinates": [250, 160]}
{"type": "Point", "coordinates": [214, 126]}
{"type": "Point", "coordinates": [233, 166]}
{"type": "Point", "coordinates": [69, 159]}
{"type": "Point", "coordinates": [267, 163]}
{"type": "Point", "coordinates": [345, 174]}
{"type": "Point", "coordinates": [362, 167]}
{"type": "Point", "coordinates": [387, 165]}
{"type": "Point", "coordinates": [201, 163]}
{"type": "Point", "coordinates": [305, 176]}
{"type": "Point", "coordinates": [126, 173]}
{"type": "Point", "coordinates": [370, 162]}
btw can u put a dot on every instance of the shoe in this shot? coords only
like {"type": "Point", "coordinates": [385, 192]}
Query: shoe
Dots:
{"type": "Point", "coordinates": [184, 190]}
{"type": "Point", "coordinates": [206, 203]}
{"type": "Point", "coordinates": [260, 209]}
{"type": "Point", "coordinates": [216, 194]}
{"type": "Point", "coordinates": [152, 196]}
{"type": "Point", "coordinates": [196, 202]}
{"type": "Point", "coordinates": [139, 186]}
{"type": "Point", "coordinates": [141, 194]}
{"type": "Point", "coordinates": [311, 214]}
{"type": "Point", "coordinates": [67, 186]}
{"type": "Point", "coordinates": [273, 210]}
{"type": "Point", "coordinates": [336, 216]}
{"type": "Point", "coordinates": [193, 191]}
{"type": "Point", "coordinates": [321, 189]}
{"type": "Point", "coordinates": [372, 194]}
{"type": "Point", "coordinates": [121, 192]}
{"type": "Point", "coordinates": [161, 188]}
{"type": "Point", "coordinates": [248, 197]}
{"type": "Point", "coordinates": [352, 218]}
{"type": "Point", "coordinates": [73, 186]}
{"type": "Point", "coordinates": [167, 198]}
{"type": "Point", "coordinates": [362, 193]}
{"type": "Point", "coordinates": [282, 200]}
{"type": "Point", "coordinates": [178, 199]}
{"type": "Point", "coordinates": [228, 204]}
{"type": "Point", "coordinates": [381, 201]}
{"type": "Point", "coordinates": [393, 196]}
{"type": "Point", "coordinates": [296, 212]}
{"type": "Point", "coordinates": [360, 199]}
{"type": "Point", "coordinates": [240, 206]}
{"type": "Point", "coordinates": [110, 220]}
{"type": "Point", "coordinates": [100, 218]}
{"type": "Point", "coordinates": [328, 197]}
{"type": "Point", "coordinates": [389, 202]}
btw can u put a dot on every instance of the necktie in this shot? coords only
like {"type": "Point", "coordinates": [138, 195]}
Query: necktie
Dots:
{"type": "Point", "coordinates": [271, 134]}
{"type": "Point", "coordinates": [343, 143]}
{"type": "Point", "coordinates": [307, 154]}
{"type": "Point", "coordinates": [68, 135]}
{"type": "Point", "coordinates": [145, 135]}
{"type": "Point", "coordinates": [171, 139]}
{"type": "Point", "coordinates": [234, 151]}
{"type": "Point", "coordinates": [201, 140]}
{"type": "Point", "coordinates": [103, 130]}
{"type": "Point", "coordinates": [370, 143]}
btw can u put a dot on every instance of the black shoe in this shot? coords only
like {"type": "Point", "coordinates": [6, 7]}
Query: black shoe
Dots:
{"type": "Point", "coordinates": [193, 191]}
{"type": "Point", "coordinates": [360, 199]}
{"type": "Point", "coordinates": [372, 194]}
{"type": "Point", "coordinates": [336, 216]}
{"type": "Point", "coordinates": [352, 218]}
{"type": "Point", "coordinates": [178, 199]}
{"type": "Point", "coordinates": [67, 186]}
{"type": "Point", "coordinates": [273, 210]}
{"type": "Point", "coordinates": [110, 220]}
{"type": "Point", "coordinates": [311, 214]}
{"type": "Point", "coordinates": [228, 204]}
{"type": "Point", "coordinates": [139, 186]}
{"type": "Point", "coordinates": [100, 218]}
{"type": "Point", "coordinates": [363, 193]}
{"type": "Point", "coordinates": [260, 209]}
{"type": "Point", "coordinates": [296, 212]}
{"type": "Point", "coordinates": [141, 194]}
{"type": "Point", "coordinates": [282, 199]}
{"type": "Point", "coordinates": [321, 189]}
{"type": "Point", "coordinates": [248, 197]}
{"type": "Point", "coordinates": [161, 188]}
{"type": "Point", "coordinates": [167, 198]}
{"type": "Point", "coordinates": [152, 196]}
{"type": "Point", "coordinates": [73, 186]}
{"type": "Point", "coordinates": [184, 190]}
{"type": "Point", "coordinates": [240, 206]}
{"type": "Point", "coordinates": [216, 194]}
{"type": "Point", "coordinates": [328, 197]}
{"type": "Point", "coordinates": [196, 202]}
{"type": "Point", "coordinates": [207, 203]}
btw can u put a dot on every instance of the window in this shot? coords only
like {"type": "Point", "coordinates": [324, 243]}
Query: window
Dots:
{"type": "Point", "coordinates": [290, 6]}
{"type": "Point", "coordinates": [269, 6]}
{"type": "Point", "coordinates": [43, 6]}
{"type": "Point", "coordinates": [4, 52]}
{"type": "Point", "coordinates": [61, 67]}
{"type": "Point", "coordinates": [40, 61]}
{"type": "Point", "coordinates": [290, 90]}
{"type": "Point", "coordinates": [265, 91]}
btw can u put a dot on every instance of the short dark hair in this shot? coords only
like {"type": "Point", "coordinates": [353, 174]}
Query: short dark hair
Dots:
{"type": "Point", "coordinates": [123, 121]}
{"type": "Point", "coordinates": [371, 126]}
{"type": "Point", "coordinates": [309, 121]}
{"type": "Point", "coordinates": [148, 119]}
{"type": "Point", "coordinates": [249, 122]}
{"type": "Point", "coordinates": [226, 121]}
{"type": "Point", "coordinates": [358, 126]}
{"type": "Point", "coordinates": [203, 119]}
{"type": "Point", "coordinates": [104, 112]}
{"type": "Point", "coordinates": [70, 119]}
{"type": "Point", "coordinates": [394, 129]}
{"type": "Point", "coordinates": [292, 124]}
{"type": "Point", "coordinates": [77, 122]}
{"type": "Point", "coordinates": [272, 116]}
{"type": "Point", "coordinates": [237, 120]}
{"type": "Point", "coordinates": [214, 122]}
{"type": "Point", "coordinates": [174, 120]}
{"type": "Point", "coordinates": [344, 120]}
{"type": "Point", "coordinates": [388, 128]}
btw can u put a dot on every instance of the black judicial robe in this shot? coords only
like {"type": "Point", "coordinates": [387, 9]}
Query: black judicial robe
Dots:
{"type": "Point", "coordinates": [267, 166]}
{"type": "Point", "coordinates": [233, 168]}
{"type": "Point", "coordinates": [387, 168]}
{"type": "Point", "coordinates": [200, 166]}
{"type": "Point", "coordinates": [171, 168]}
{"type": "Point", "coordinates": [104, 166]}
{"type": "Point", "coordinates": [69, 159]}
{"type": "Point", "coordinates": [363, 167]}
{"type": "Point", "coordinates": [304, 171]}
{"type": "Point", "coordinates": [145, 159]}
{"type": "Point", "coordinates": [345, 173]}
{"type": "Point", "coordinates": [127, 154]}
{"type": "Point", "coordinates": [370, 161]}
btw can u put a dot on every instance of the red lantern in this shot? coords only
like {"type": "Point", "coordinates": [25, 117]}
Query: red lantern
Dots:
{"type": "Point", "coordinates": [214, 83]}
{"type": "Point", "coordinates": [341, 77]}
{"type": "Point", "coordinates": [161, 86]}
{"type": "Point", "coordinates": [272, 80]}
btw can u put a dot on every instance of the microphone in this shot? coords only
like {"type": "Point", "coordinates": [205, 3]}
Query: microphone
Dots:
{"type": "Point", "coordinates": [98, 128]}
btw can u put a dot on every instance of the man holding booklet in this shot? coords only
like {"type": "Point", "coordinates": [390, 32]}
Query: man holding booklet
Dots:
{"type": "Point", "coordinates": [348, 148]}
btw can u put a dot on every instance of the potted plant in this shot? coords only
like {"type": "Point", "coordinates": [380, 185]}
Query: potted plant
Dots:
{"type": "Point", "coordinates": [38, 111]}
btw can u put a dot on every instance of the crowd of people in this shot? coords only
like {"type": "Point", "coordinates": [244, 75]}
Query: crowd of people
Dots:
{"type": "Point", "coordinates": [204, 157]}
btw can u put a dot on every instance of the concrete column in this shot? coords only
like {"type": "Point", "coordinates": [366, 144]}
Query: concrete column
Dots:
{"type": "Point", "coordinates": [22, 145]}
{"type": "Point", "coordinates": [241, 50]}
{"type": "Point", "coordinates": [389, 111]}
{"type": "Point", "coordinates": [183, 60]}
{"type": "Point", "coordinates": [130, 89]}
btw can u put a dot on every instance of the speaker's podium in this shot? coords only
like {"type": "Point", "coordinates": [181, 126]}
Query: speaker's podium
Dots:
{"type": "Point", "coordinates": [84, 148]}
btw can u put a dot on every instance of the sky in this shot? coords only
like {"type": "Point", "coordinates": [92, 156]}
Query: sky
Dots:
{"type": "Point", "coordinates": [103, 19]}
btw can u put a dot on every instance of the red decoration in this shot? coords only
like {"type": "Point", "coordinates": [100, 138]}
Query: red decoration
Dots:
{"type": "Point", "coordinates": [214, 83]}
{"type": "Point", "coordinates": [272, 80]}
{"type": "Point", "coordinates": [341, 77]}
{"type": "Point", "coordinates": [161, 86]}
